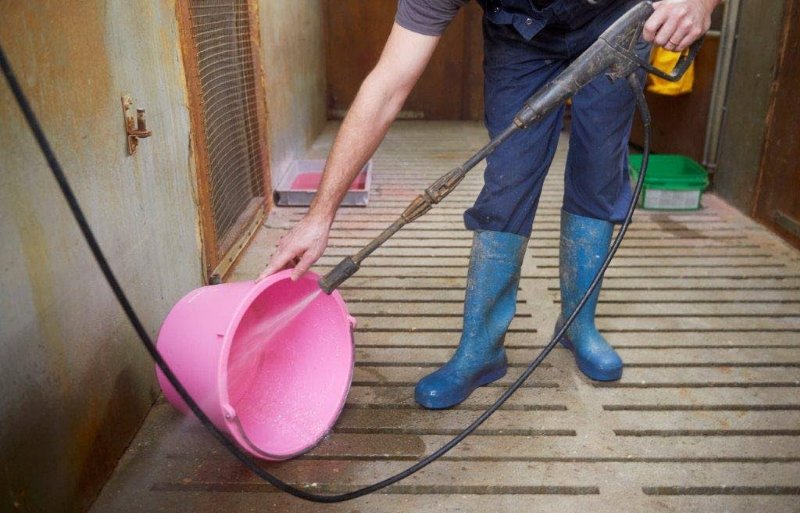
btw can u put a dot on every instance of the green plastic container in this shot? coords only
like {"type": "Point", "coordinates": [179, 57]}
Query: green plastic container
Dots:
{"type": "Point", "coordinates": [673, 182]}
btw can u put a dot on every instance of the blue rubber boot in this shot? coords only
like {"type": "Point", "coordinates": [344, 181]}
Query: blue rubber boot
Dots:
{"type": "Point", "coordinates": [491, 300]}
{"type": "Point", "coordinates": [584, 246]}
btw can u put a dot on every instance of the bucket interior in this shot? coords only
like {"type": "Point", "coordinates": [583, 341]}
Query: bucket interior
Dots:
{"type": "Point", "coordinates": [289, 367]}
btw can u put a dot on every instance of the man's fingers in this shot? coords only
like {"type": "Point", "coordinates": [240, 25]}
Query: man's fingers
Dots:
{"type": "Point", "coordinates": [685, 42]}
{"type": "Point", "coordinates": [303, 265]}
{"type": "Point", "coordinates": [299, 248]}
{"type": "Point", "coordinates": [278, 261]}
{"type": "Point", "coordinates": [681, 31]}
{"type": "Point", "coordinates": [666, 31]}
{"type": "Point", "coordinates": [694, 33]}
{"type": "Point", "coordinates": [676, 24]}
{"type": "Point", "coordinates": [654, 23]}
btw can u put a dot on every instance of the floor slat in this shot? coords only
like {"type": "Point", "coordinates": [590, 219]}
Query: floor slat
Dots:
{"type": "Point", "coordinates": [703, 306]}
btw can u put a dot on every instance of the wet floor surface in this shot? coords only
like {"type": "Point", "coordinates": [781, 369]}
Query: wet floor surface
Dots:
{"type": "Point", "coordinates": [703, 306]}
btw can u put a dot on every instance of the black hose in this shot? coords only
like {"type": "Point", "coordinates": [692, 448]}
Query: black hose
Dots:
{"type": "Point", "coordinates": [246, 460]}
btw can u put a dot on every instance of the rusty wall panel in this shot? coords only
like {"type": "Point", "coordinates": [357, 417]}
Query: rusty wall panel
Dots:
{"type": "Point", "coordinates": [777, 203]}
{"type": "Point", "coordinates": [450, 88]}
{"type": "Point", "coordinates": [743, 126]}
{"type": "Point", "coordinates": [75, 382]}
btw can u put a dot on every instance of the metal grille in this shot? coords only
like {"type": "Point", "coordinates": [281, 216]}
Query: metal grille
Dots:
{"type": "Point", "coordinates": [221, 33]}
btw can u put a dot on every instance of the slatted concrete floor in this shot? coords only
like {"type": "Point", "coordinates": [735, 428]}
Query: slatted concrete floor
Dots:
{"type": "Point", "coordinates": [704, 308]}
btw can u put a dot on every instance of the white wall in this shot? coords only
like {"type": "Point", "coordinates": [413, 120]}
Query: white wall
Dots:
{"type": "Point", "coordinates": [293, 53]}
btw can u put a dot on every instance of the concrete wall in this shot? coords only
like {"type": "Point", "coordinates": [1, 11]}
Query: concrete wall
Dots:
{"type": "Point", "coordinates": [743, 129]}
{"type": "Point", "coordinates": [75, 381]}
{"type": "Point", "coordinates": [293, 52]}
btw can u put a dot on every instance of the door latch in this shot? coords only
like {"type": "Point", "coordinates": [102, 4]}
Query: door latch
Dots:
{"type": "Point", "coordinates": [135, 126]}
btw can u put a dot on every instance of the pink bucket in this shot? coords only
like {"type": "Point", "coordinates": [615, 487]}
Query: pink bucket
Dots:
{"type": "Point", "coordinates": [269, 362]}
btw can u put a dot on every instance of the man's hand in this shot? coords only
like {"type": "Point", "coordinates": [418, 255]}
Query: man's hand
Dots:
{"type": "Point", "coordinates": [300, 248]}
{"type": "Point", "coordinates": [676, 24]}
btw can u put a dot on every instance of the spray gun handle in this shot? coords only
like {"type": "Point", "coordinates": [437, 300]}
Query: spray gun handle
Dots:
{"type": "Point", "coordinates": [343, 270]}
{"type": "Point", "coordinates": [613, 54]}
{"type": "Point", "coordinates": [686, 58]}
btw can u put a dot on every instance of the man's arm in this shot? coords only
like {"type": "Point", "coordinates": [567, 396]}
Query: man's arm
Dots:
{"type": "Point", "coordinates": [676, 24]}
{"type": "Point", "coordinates": [376, 105]}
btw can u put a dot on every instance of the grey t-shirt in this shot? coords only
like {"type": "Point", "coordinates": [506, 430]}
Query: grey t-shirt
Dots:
{"type": "Point", "coordinates": [431, 17]}
{"type": "Point", "coordinates": [428, 17]}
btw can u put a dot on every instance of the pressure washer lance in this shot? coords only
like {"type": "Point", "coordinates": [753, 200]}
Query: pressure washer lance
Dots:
{"type": "Point", "coordinates": [612, 54]}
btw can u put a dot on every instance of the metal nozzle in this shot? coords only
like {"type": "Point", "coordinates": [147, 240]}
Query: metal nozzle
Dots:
{"type": "Point", "coordinates": [343, 270]}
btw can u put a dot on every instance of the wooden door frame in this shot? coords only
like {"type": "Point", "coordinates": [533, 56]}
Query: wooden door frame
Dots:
{"type": "Point", "coordinates": [763, 207]}
{"type": "Point", "coordinates": [214, 265]}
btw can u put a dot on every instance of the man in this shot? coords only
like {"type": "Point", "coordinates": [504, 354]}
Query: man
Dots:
{"type": "Point", "coordinates": [526, 44]}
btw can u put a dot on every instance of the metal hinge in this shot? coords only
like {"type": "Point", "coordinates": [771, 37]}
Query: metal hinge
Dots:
{"type": "Point", "coordinates": [787, 223]}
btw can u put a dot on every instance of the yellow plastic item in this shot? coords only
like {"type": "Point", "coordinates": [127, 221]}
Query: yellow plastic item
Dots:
{"type": "Point", "coordinates": [665, 60]}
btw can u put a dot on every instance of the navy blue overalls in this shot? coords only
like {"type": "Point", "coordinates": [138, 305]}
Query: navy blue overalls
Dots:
{"type": "Point", "coordinates": [525, 47]}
